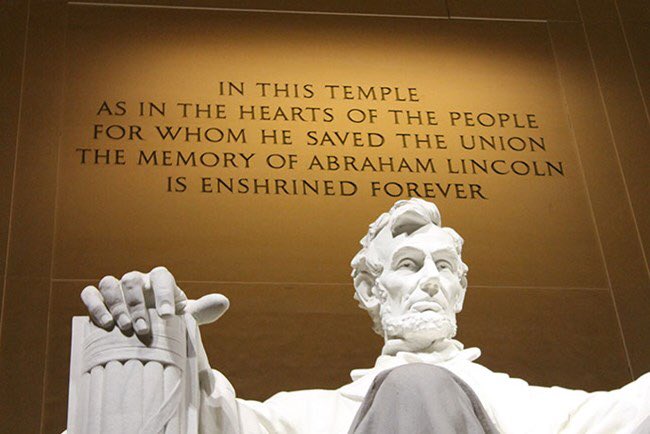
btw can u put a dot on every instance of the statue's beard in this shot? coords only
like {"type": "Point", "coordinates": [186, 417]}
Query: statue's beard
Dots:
{"type": "Point", "coordinates": [420, 328]}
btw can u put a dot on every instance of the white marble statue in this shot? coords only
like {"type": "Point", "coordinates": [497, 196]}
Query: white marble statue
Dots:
{"type": "Point", "coordinates": [411, 279]}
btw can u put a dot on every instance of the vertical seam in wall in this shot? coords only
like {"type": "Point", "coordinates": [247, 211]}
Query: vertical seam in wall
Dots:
{"type": "Point", "coordinates": [613, 138]}
{"type": "Point", "coordinates": [591, 208]}
{"type": "Point", "coordinates": [60, 119]}
{"type": "Point", "coordinates": [15, 169]}
{"type": "Point", "coordinates": [62, 95]}
{"type": "Point", "coordinates": [447, 9]}
{"type": "Point", "coordinates": [647, 115]}
{"type": "Point", "coordinates": [629, 52]}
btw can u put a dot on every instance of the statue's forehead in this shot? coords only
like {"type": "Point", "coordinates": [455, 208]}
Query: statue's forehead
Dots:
{"type": "Point", "coordinates": [428, 238]}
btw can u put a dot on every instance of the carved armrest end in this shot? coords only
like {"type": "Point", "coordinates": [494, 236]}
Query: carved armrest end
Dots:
{"type": "Point", "coordinates": [125, 384]}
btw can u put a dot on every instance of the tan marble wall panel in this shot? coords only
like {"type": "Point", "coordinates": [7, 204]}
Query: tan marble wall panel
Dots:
{"type": "Point", "coordinates": [135, 224]}
{"type": "Point", "coordinates": [304, 348]}
{"type": "Point", "coordinates": [634, 10]}
{"type": "Point", "coordinates": [547, 337]}
{"type": "Point", "coordinates": [13, 26]}
{"type": "Point", "coordinates": [375, 7]}
{"type": "Point", "coordinates": [564, 10]}
{"type": "Point", "coordinates": [637, 37]}
{"type": "Point", "coordinates": [628, 119]}
{"type": "Point", "coordinates": [23, 354]}
{"type": "Point", "coordinates": [635, 25]}
{"type": "Point", "coordinates": [597, 11]}
{"type": "Point", "coordinates": [33, 205]}
{"type": "Point", "coordinates": [621, 249]}
{"type": "Point", "coordinates": [636, 28]}
{"type": "Point", "coordinates": [29, 254]}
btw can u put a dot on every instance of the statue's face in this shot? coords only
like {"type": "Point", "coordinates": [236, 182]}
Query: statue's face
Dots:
{"type": "Point", "coordinates": [420, 289]}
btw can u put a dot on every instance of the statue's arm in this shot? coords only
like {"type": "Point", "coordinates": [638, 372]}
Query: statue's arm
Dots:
{"type": "Point", "coordinates": [516, 406]}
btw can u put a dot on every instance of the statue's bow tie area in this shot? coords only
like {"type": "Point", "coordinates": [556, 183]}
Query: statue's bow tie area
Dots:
{"type": "Point", "coordinates": [138, 363]}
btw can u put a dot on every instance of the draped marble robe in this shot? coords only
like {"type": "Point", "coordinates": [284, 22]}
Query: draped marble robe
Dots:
{"type": "Point", "coordinates": [512, 404]}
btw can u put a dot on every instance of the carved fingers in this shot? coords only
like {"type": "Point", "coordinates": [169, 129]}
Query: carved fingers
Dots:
{"type": "Point", "coordinates": [164, 290]}
{"type": "Point", "coordinates": [111, 291]}
{"type": "Point", "coordinates": [125, 302]}
{"type": "Point", "coordinates": [133, 285]}
{"type": "Point", "coordinates": [94, 302]}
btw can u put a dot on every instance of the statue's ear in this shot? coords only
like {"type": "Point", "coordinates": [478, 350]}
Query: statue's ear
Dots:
{"type": "Point", "coordinates": [363, 284]}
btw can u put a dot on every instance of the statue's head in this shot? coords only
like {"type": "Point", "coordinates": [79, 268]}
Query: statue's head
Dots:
{"type": "Point", "coordinates": [410, 277]}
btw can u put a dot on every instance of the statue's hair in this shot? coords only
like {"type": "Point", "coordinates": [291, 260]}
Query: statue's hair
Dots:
{"type": "Point", "coordinates": [366, 264]}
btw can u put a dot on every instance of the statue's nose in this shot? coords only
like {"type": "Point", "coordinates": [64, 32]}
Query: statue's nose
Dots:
{"type": "Point", "coordinates": [431, 286]}
{"type": "Point", "coordinates": [430, 282]}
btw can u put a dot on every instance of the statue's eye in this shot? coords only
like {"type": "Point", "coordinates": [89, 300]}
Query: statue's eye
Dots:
{"type": "Point", "coordinates": [442, 264]}
{"type": "Point", "coordinates": [408, 264]}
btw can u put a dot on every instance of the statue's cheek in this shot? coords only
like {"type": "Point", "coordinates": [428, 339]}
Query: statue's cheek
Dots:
{"type": "Point", "coordinates": [397, 285]}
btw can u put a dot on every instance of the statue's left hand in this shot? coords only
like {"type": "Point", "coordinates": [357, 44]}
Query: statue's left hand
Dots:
{"type": "Point", "coordinates": [126, 301]}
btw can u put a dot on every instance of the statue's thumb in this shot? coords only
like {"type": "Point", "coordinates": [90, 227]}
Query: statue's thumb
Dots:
{"type": "Point", "coordinates": [208, 308]}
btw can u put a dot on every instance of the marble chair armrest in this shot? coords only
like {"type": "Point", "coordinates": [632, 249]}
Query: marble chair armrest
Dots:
{"type": "Point", "coordinates": [122, 384]}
